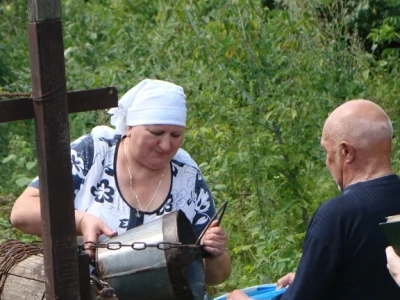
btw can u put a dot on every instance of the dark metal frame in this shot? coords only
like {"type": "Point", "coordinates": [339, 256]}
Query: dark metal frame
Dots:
{"type": "Point", "coordinates": [66, 278]}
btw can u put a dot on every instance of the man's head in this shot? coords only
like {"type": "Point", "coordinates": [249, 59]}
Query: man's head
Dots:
{"type": "Point", "coordinates": [357, 138]}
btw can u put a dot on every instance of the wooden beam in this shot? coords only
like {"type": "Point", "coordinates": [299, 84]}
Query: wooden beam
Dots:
{"type": "Point", "coordinates": [78, 101]}
{"type": "Point", "coordinates": [52, 142]}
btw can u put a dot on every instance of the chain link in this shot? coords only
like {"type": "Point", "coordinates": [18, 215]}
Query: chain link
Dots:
{"type": "Point", "coordinates": [104, 291]}
{"type": "Point", "coordinates": [135, 245]}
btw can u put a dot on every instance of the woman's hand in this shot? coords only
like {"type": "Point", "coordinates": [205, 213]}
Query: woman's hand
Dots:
{"type": "Point", "coordinates": [91, 227]}
{"type": "Point", "coordinates": [217, 267]}
{"type": "Point", "coordinates": [215, 240]}
{"type": "Point", "coordinates": [237, 295]}
{"type": "Point", "coordinates": [393, 264]}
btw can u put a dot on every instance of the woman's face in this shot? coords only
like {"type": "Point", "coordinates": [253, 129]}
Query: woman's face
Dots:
{"type": "Point", "coordinates": [154, 145]}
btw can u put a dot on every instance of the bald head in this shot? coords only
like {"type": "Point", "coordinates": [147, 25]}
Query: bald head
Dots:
{"type": "Point", "coordinates": [357, 137]}
{"type": "Point", "coordinates": [359, 122]}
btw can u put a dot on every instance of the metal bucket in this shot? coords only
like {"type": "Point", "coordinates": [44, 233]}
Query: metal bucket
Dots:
{"type": "Point", "coordinates": [151, 273]}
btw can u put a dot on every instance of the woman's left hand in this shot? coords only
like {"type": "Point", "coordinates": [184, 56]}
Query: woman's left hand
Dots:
{"type": "Point", "coordinates": [237, 295]}
{"type": "Point", "coordinates": [215, 240]}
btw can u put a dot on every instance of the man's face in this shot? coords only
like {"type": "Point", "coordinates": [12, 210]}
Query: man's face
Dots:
{"type": "Point", "coordinates": [333, 161]}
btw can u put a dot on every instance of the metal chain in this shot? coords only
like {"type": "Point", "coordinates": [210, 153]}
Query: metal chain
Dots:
{"type": "Point", "coordinates": [104, 289]}
{"type": "Point", "coordinates": [135, 245]}
{"type": "Point", "coordinates": [161, 246]}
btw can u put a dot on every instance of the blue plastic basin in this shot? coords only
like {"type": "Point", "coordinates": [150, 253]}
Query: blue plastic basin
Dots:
{"type": "Point", "coordinates": [261, 292]}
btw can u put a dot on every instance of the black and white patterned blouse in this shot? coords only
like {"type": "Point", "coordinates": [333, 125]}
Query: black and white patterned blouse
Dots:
{"type": "Point", "coordinates": [95, 191]}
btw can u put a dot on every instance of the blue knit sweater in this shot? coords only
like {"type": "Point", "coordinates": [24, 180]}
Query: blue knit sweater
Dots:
{"type": "Point", "coordinates": [344, 248]}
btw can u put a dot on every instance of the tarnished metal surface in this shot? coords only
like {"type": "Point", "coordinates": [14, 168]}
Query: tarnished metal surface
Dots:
{"type": "Point", "coordinates": [102, 289]}
{"type": "Point", "coordinates": [40, 10]}
{"type": "Point", "coordinates": [84, 275]}
{"type": "Point", "coordinates": [176, 273]}
{"type": "Point", "coordinates": [78, 101]}
{"type": "Point", "coordinates": [52, 142]}
{"type": "Point", "coordinates": [185, 268]}
{"type": "Point", "coordinates": [94, 99]}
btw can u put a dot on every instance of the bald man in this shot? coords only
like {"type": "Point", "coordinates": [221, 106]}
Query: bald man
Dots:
{"type": "Point", "coordinates": [344, 248]}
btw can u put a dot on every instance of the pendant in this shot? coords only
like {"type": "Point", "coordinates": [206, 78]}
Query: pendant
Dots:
{"type": "Point", "coordinates": [137, 213]}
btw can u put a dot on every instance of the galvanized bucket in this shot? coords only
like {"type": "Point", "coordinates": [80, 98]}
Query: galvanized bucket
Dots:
{"type": "Point", "coordinates": [154, 273]}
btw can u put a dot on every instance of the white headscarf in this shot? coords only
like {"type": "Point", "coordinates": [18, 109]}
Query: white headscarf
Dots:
{"type": "Point", "coordinates": [150, 102]}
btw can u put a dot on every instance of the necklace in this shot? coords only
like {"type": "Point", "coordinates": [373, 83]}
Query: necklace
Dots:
{"type": "Point", "coordinates": [131, 184]}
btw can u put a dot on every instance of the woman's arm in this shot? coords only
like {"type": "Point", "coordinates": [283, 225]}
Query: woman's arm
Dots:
{"type": "Point", "coordinates": [25, 214]}
{"type": "Point", "coordinates": [217, 267]}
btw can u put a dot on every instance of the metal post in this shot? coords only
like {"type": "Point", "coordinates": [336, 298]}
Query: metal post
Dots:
{"type": "Point", "coordinates": [84, 276]}
{"type": "Point", "coordinates": [52, 133]}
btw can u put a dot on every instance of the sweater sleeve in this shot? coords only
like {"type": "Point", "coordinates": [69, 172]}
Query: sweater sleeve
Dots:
{"type": "Point", "coordinates": [315, 274]}
{"type": "Point", "coordinates": [319, 264]}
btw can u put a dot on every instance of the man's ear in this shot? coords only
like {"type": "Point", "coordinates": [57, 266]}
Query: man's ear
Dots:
{"type": "Point", "coordinates": [347, 151]}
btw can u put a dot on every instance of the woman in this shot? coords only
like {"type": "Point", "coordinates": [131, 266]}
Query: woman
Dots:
{"type": "Point", "coordinates": [135, 174]}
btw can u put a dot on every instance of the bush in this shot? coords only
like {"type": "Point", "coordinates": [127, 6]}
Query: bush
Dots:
{"type": "Point", "coordinates": [260, 83]}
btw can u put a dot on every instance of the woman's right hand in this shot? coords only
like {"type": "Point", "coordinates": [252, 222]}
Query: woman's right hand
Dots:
{"type": "Point", "coordinates": [91, 227]}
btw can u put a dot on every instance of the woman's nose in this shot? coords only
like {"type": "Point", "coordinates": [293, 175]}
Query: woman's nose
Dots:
{"type": "Point", "coordinates": [165, 143]}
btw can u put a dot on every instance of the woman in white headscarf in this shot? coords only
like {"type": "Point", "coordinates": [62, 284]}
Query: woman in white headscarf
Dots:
{"type": "Point", "coordinates": [136, 173]}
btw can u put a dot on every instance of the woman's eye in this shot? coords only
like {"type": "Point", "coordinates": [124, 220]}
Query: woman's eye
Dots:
{"type": "Point", "coordinates": [157, 133]}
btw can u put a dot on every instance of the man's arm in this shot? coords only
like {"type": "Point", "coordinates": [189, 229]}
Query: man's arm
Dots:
{"type": "Point", "coordinates": [316, 272]}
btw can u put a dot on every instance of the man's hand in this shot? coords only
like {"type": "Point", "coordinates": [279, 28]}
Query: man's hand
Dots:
{"type": "Point", "coordinates": [393, 264]}
{"type": "Point", "coordinates": [91, 228]}
{"type": "Point", "coordinates": [285, 280]}
{"type": "Point", "coordinates": [237, 295]}
{"type": "Point", "coordinates": [215, 240]}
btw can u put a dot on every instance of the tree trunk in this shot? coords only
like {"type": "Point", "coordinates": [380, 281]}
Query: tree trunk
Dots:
{"type": "Point", "coordinates": [25, 280]}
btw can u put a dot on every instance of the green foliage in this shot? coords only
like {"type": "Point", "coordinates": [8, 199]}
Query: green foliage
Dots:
{"type": "Point", "coordinates": [14, 57]}
{"type": "Point", "coordinates": [261, 77]}
{"type": "Point", "coordinates": [376, 22]}
{"type": "Point", "coordinates": [17, 156]}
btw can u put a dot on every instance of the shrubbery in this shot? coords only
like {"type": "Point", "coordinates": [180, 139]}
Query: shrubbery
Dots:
{"type": "Point", "coordinates": [260, 83]}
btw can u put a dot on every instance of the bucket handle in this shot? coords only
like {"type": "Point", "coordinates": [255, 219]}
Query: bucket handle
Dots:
{"type": "Point", "coordinates": [220, 210]}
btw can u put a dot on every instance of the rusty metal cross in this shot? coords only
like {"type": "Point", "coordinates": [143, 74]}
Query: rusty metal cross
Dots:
{"type": "Point", "coordinates": [49, 105]}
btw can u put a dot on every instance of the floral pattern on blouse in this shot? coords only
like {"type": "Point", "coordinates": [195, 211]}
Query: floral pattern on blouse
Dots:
{"type": "Point", "coordinates": [95, 190]}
